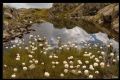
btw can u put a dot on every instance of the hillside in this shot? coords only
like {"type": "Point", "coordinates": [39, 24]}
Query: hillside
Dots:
{"type": "Point", "coordinates": [100, 13]}
{"type": "Point", "coordinates": [18, 21]}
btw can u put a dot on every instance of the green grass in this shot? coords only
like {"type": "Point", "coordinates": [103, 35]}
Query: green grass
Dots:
{"type": "Point", "coordinates": [38, 72]}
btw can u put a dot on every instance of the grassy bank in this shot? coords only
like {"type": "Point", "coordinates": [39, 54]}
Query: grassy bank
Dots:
{"type": "Point", "coordinates": [39, 60]}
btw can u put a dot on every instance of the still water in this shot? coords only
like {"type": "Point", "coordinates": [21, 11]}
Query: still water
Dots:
{"type": "Point", "coordinates": [76, 35]}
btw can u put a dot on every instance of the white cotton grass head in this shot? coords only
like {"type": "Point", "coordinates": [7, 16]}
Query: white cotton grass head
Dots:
{"type": "Point", "coordinates": [71, 57]}
{"type": "Point", "coordinates": [118, 57]}
{"type": "Point", "coordinates": [83, 66]}
{"type": "Point", "coordinates": [111, 54]}
{"type": "Point", "coordinates": [32, 52]}
{"type": "Point", "coordinates": [98, 51]}
{"type": "Point", "coordinates": [50, 56]}
{"type": "Point", "coordinates": [65, 70]}
{"type": "Point", "coordinates": [95, 64]}
{"type": "Point", "coordinates": [30, 61]}
{"type": "Point", "coordinates": [86, 72]}
{"type": "Point", "coordinates": [26, 48]}
{"type": "Point", "coordinates": [13, 75]}
{"type": "Point", "coordinates": [95, 45]}
{"type": "Point", "coordinates": [101, 47]}
{"type": "Point", "coordinates": [78, 66]}
{"type": "Point", "coordinates": [30, 36]}
{"type": "Point", "coordinates": [102, 64]}
{"type": "Point", "coordinates": [42, 63]}
{"type": "Point", "coordinates": [36, 61]}
{"type": "Point", "coordinates": [71, 62]}
{"type": "Point", "coordinates": [11, 47]}
{"type": "Point", "coordinates": [17, 59]}
{"type": "Point", "coordinates": [76, 46]}
{"type": "Point", "coordinates": [90, 47]}
{"type": "Point", "coordinates": [91, 67]}
{"type": "Point", "coordinates": [14, 45]}
{"type": "Point", "coordinates": [33, 59]}
{"type": "Point", "coordinates": [46, 74]}
{"type": "Point", "coordinates": [44, 52]}
{"type": "Point", "coordinates": [100, 57]}
{"type": "Point", "coordinates": [79, 72]}
{"type": "Point", "coordinates": [114, 60]}
{"type": "Point", "coordinates": [73, 44]}
{"type": "Point", "coordinates": [33, 43]}
{"type": "Point", "coordinates": [108, 45]}
{"type": "Point", "coordinates": [24, 68]}
{"type": "Point", "coordinates": [30, 56]}
{"type": "Point", "coordinates": [96, 72]}
{"type": "Point", "coordinates": [53, 62]}
{"type": "Point", "coordinates": [79, 61]}
{"type": "Point", "coordinates": [90, 76]}
{"type": "Point", "coordinates": [87, 62]}
{"type": "Point", "coordinates": [66, 66]}
{"type": "Point", "coordinates": [90, 53]}
{"type": "Point", "coordinates": [20, 47]}
{"type": "Point", "coordinates": [111, 43]}
{"type": "Point", "coordinates": [32, 66]}
{"type": "Point", "coordinates": [108, 65]}
{"type": "Point", "coordinates": [64, 62]}
{"type": "Point", "coordinates": [103, 53]}
{"type": "Point", "coordinates": [23, 63]}
{"type": "Point", "coordinates": [92, 56]}
{"type": "Point", "coordinates": [85, 52]}
{"type": "Point", "coordinates": [97, 60]}
{"type": "Point", "coordinates": [5, 65]}
{"type": "Point", "coordinates": [62, 75]}
{"type": "Point", "coordinates": [71, 66]}
{"type": "Point", "coordinates": [40, 45]}
{"type": "Point", "coordinates": [60, 48]}
{"type": "Point", "coordinates": [15, 69]}
{"type": "Point", "coordinates": [73, 71]}
{"type": "Point", "coordinates": [53, 66]}
{"type": "Point", "coordinates": [6, 47]}
{"type": "Point", "coordinates": [56, 62]}
{"type": "Point", "coordinates": [68, 48]}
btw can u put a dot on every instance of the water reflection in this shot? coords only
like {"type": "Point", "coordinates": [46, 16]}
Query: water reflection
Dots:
{"type": "Point", "coordinates": [71, 23]}
{"type": "Point", "coordinates": [86, 25]}
{"type": "Point", "coordinates": [76, 34]}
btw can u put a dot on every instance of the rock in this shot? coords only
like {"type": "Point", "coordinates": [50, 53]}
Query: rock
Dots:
{"type": "Point", "coordinates": [8, 15]}
{"type": "Point", "coordinates": [22, 29]}
{"type": "Point", "coordinates": [5, 34]}
{"type": "Point", "coordinates": [115, 25]}
{"type": "Point", "coordinates": [100, 21]}
{"type": "Point", "coordinates": [109, 10]}
{"type": "Point", "coordinates": [17, 21]}
{"type": "Point", "coordinates": [5, 22]}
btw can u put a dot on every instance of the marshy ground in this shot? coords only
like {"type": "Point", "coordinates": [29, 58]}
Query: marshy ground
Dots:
{"type": "Point", "coordinates": [40, 60]}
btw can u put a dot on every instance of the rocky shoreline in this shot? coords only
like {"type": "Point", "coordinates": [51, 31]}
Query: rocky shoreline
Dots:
{"type": "Point", "coordinates": [96, 13]}
{"type": "Point", "coordinates": [16, 23]}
